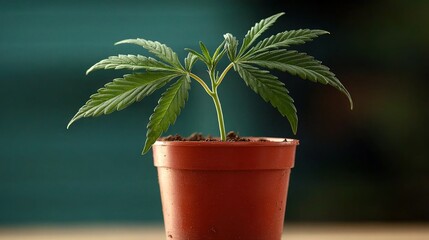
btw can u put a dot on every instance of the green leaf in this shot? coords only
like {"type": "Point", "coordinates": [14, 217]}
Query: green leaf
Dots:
{"type": "Point", "coordinates": [122, 92]}
{"type": "Point", "coordinates": [218, 54]}
{"type": "Point", "coordinates": [190, 61]}
{"type": "Point", "coordinates": [167, 110]}
{"type": "Point", "coordinates": [160, 50]}
{"type": "Point", "coordinates": [257, 30]}
{"type": "Point", "coordinates": [205, 52]}
{"type": "Point", "coordinates": [270, 89]}
{"type": "Point", "coordinates": [131, 62]}
{"type": "Point", "coordinates": [231, 44]}
{"type": "Point", "coordinates": [285, 39]}
{"type": "Point", "coordinates": [299, 64]}
{"type": "Point", "coordinates": [205, 56]}
{"type": "Point", "coordinates": [198, 55]}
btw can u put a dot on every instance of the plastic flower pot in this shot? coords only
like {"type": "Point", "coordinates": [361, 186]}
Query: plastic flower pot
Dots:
{"type": "Point", "coordinates": [224, 190]}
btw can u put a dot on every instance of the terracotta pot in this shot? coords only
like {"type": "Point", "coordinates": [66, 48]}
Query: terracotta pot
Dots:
{"type": "Point", "coordinates": [224, 190]}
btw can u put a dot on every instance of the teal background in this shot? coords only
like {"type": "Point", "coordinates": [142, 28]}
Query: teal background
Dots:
{"type": "Point", "coordinates": [369, 164]}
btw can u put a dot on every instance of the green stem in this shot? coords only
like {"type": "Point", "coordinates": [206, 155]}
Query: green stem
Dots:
{"type": "Point", "coordinates": [201, 82]}
{"type": "Point", "coordinates": [222, 76]}
{"type": "Point", "coordinates": [213, 93]}
{"type": "Point", "coordinates": [218, 106]}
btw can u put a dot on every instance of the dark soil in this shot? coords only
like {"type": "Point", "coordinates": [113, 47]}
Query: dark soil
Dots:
{"type": "Point", "coordinates": [230, 137]}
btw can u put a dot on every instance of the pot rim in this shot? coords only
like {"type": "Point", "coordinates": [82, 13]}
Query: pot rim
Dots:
{"type": "Point", "coordinates": [254, 142]}
{"type": "Point", "coordinates": [276, 154]}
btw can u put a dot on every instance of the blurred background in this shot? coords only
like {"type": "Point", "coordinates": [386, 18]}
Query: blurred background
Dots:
{"type": "Point", "coordinates": [366, 165]}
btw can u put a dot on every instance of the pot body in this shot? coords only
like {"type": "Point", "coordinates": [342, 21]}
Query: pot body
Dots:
{"type": "Point", "coordinates": [224, 190]}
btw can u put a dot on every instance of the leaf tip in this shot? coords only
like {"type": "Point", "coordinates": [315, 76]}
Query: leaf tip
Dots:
{"type": "Point", "coordinates": [146, 148]}
{"type": "Point", "coordinates": [349, 97]}
{"type": "Point", "coordinates": [351, 103]}
{"type": "Point", "coordinates": [321, 31]}
{"type": "Point", "coordinates": [294, 128]}
{"type": "Point", "coordinates": [74, 119]}
{"type": "Point", "coordinates": [70, 123]}
{"type": "Point", "coordinates": [120, 42]}
{"type": "Point", "coordinates": [144, 151]}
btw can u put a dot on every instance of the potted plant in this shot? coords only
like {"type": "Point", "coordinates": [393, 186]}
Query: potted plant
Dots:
{"type": "Point", "coordinates": [216, 188]}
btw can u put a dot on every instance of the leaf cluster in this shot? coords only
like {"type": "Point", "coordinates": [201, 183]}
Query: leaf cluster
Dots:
{"type": "Point", "coordinates": [252, 60]}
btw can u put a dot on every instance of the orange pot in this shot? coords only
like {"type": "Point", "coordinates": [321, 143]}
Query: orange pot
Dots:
{"type": "Point", "coordinates": [224, 190]}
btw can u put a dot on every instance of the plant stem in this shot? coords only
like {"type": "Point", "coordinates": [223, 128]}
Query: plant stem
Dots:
{"type": "Point", "coordinates": [215, 97]}
{"type": "Point", "coordinates": [218, 106]}
{"type": "Point", "coordinates": [213, 93]}
{"type": "Point", "coordinates": [203, 84]}
{"type": "Point", "coordinates": [222, 76]}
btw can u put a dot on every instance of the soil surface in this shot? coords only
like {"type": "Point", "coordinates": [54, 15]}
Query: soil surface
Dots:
{"type": "Point", "coordinates": [230, 137]}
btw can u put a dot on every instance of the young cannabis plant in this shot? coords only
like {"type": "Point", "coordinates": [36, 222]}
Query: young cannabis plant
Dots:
{"type": "Point", "coordinates": [250, 61]}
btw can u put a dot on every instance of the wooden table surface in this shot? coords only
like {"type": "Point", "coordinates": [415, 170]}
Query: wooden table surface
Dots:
{"type": "Point", "coordinates": [292, 232]}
